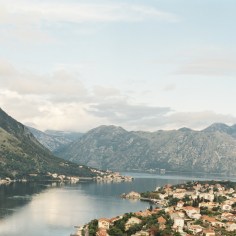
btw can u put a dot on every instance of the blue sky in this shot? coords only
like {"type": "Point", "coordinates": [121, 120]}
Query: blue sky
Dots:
{"type": "Point", "coordinates": [74, 65]}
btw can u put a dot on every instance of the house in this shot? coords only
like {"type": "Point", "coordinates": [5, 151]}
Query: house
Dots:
{"type": "Point", "coordinates": [196, 216]}
{"type": "Point", "coordinates": [103, 223]}
{"type": "Point", "coordinates": [208, 219]}
{"type": "Point", "coordinates": [162, 222]}
{"type": "Point", "coordinates": [179, 195]}
{"type": "Point", "coordinates": [180, 214]}
{"type": "Point", "coordinates": [212, 221]}
{"type": "Point", "coordinates": [228, 216]}
{"type": "Point", "coordinates": [176, 214]}
{"type": "Point", "coordinates": [209, 232]}
{"type": "Point", "coordinates": [141, 233]}
{"type": "Point", "coordinates": [178, 224]}
{"type": "Point", "coordinates": [132, 221]}
{"type": "Point", "coordinates": [226, 207]}
{"type": "Point", "coordinates": [144, 213]}
{"type": "Point", "coordinates": [163, 196]}
{"type": "Point", "coordinates": [230, 226]}
{"type": "Point", "coordinates": [207, 196]}
{"type": "Point", "coordinates": [180, 190]}
{"type": "Point", "coordinates": [180, 205]}
{"type": "Point", "coordinates": [113, 220]}
{"type": "Point", "coordinates": [190, 211]}
{"type": "Point", "coordinates": [231, 190]}
{"type": "Point", "coordinates": [102, 232]}
{"type": "Point", "coordinates": [197, 187]}
{"type": "Point", "coordinates": [195, 229]}
{"type": "Point", "coordinates": [169, 209]}
{"type": "Point", "coordinates": [133, 195]}
{"type": "Point", "coordinates": [209, 205]}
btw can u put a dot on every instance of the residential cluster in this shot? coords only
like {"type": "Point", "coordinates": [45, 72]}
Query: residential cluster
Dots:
{"type": "Point", "coordinates": [62, 178]}
{"type": "Point", "coordinates": [112, 177]}
{"type": "Point", "coordinates": [194, 208]}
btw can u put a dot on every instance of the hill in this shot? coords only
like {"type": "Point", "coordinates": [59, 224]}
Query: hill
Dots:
{"type": "Point", "coordinates": [53, 139]}
{"type": "Point", "coordinates": [210, 150]}
{"type": "Point", "coordinates": [21, 154]}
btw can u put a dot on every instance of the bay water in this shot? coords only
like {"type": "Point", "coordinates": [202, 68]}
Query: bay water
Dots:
{"type": "Point", "coordinates": [53, 209]}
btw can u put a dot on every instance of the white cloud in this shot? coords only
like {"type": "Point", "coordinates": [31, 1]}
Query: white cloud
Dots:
{"type": "Point", "coordinates": [144, 117]}
{"type": "Point", "coordinates": [169, 87]}
{"type": "Point", "coordinates": [60, 83]}
{"type": "Point", "coordinates": [61, 101]}
{"type": "Point", "coordinates": [210, 67]}
{"type": "Point", "coordinates": [208, 61]}
{"type": "Point", "coordinates": [45, 113]}
{"type": "Point", "coordinates": [6, 68]}
{"type": "Point", "coordinates": [197, 120]}
{"type": "Point", "coordinates": [25, 12]}
{"type": "Point", "coordinates": [37, 21]}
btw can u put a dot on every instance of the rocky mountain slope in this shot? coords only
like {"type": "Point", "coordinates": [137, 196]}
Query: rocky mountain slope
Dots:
{"type": "Point", "coordinates": [210, 150]}
{"type": "Point", "coordinates": [54, 140]}
{"type": "Point", "coordinates": [21, 154]}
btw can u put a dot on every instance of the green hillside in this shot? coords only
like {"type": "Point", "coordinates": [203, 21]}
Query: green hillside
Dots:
{"type": "Point", "coordinates": [21, 154]}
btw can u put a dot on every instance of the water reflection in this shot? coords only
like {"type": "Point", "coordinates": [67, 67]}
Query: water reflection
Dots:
{"type": "Point", "coordinates": [41, 210]}
{"type": "Point", "coordinates": [16, 195]}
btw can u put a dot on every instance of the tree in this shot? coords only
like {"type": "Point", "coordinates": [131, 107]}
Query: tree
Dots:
{"type": "Point", "coordinates": [115, 232]}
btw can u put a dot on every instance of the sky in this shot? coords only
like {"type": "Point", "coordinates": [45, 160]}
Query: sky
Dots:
{"type": "Point", "coordinates": [142, 64]}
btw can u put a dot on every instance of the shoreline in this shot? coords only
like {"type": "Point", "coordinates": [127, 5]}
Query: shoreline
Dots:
{"type": "Point", "coordinates": [180, 209]}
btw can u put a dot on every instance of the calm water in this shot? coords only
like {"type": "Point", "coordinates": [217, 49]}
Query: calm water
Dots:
{"type": "Point", "coordinates": [31, 209]}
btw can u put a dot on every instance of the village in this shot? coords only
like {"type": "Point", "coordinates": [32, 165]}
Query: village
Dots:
{"type": "Point", "coordinates": [196, 208]}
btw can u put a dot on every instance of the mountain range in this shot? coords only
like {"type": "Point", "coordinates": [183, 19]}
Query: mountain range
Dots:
{"type": "Point", "coordinates": [21, 155]}
{"type": "Point", "coordinates": [53, 139]}
{"type": "Point", "coordinates": [212, 150]}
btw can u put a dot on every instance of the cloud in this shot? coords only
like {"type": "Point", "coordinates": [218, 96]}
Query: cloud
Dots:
{"type": "Point", "coordinates": [60, 83]}
{"type": "Point", "coordinates": [64, 11]}
{"type": "Point", "coordinates": [141, 117]}
{"type": "Point", "coordinates": [169, 87]}
{"type": "Point", "coordinates": [210, 67]}
{"type": "Point", "coordinates": [45, 113]}
{"type": "Point", "coordinates": [37, 21]}
{"type": "Point", "coordinates": [211, 61]}
{"type": "Point", "coordinates": [6, 68]}
{"type": "Point", "coordinates": [61, 101]}
{"type": "Point", "coordinates": [122, 111]}
{"type": "Point", "coordinates": [83, 115]}
{"type": "Point", "coordinates": [197, 120]}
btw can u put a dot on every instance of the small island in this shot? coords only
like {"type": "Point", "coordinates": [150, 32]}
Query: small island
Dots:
{"type": "Point", "coordinates": [204, 208]}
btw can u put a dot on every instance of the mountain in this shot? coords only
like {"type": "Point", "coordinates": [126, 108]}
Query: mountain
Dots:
{"type": "Point", "coordinates": [218, 127]}
{"type": "Point", "coordinates": [21, 154]}
{"type": "Point", "coordinates": [223, 128]}
{"type": "Point", "coordinates": [210, 150]}
{"type": "Point", "coordinates": [54, 140]}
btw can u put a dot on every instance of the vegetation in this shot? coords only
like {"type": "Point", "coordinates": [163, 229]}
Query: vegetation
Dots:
{"type": "Point", "coordinates": [163, 226]}
{"type": "Point", "coordinates": [21, 154]}
{"type": "Point", "coordinates": [93, 227]}
{"type": "Point", "coordinates": [111, 147]}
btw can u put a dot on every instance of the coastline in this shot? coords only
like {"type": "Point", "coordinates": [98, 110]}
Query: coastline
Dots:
{"type": "Point", "coordinates": [179, 210]}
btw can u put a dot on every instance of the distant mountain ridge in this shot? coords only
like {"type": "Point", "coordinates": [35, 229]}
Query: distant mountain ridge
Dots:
{"type": "Point", "coordinates": [109, 147]}
{"type": "Point", "coordinates": [223, 128]}
{"type": "Point", "coordinates": [53, 139]}
{"type": "Point", "coordinates": [21, 154]}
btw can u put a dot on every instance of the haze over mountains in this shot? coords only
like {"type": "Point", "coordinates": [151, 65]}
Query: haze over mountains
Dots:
{"type": "Point", "coordinates": [212, 150]}
{"type": "Point", "coordinates": [109, 147]}
{"type": "Point", "coordinates": [53, 139]}
{"type": "Point", "coordinates": [21, 154]}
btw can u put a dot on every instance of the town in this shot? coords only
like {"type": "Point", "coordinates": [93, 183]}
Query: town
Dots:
{"type": "Point", "coordinates": [206, 208]}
